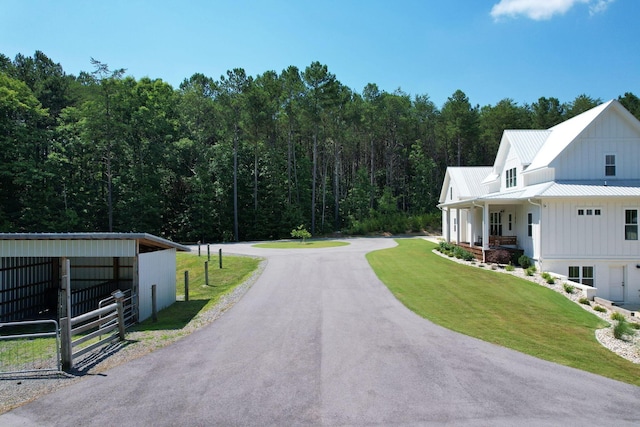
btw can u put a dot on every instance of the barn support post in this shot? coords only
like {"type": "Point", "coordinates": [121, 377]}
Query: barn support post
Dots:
{"type": "Point", "coordinates": [66, 350]}
{"type": "Point", "coordinates": [154, 304]}
{"type": "Point", "coordinates": [186, 285]}
{"type": "Point", "coordinates": [220, 257]}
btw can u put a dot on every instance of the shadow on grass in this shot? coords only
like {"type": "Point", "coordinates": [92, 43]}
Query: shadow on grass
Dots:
{"type": "Point", "coordinates": [176, 316]}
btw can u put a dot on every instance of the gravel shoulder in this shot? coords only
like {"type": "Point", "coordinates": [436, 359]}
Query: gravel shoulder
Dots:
{"type": "Point", "coordinates": [18, 389]}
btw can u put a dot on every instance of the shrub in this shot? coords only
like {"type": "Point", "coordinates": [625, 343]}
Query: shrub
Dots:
{"type": "Point", "coordinates": [545, 275]}
{"type": "Point", "coordinates": [524, 261]}
{"type": "Point", "coordinates": [616, 315]}
{"type": "Point", "coordinates": [529, 271]}
{"type": "Point", "coordinates": [300, 233]}
{"type": "Point", "coordinates": [584, 301]}
{"type": "Point", "coordinates": [634, 325]}
{"type": "Point", "coordinates": [445, 247]}
{"type": "Point", "coordinates": [622, 328]}
{"type": "Point", "coordinates": [509, 267]}
{"type": "Point", "coordinates": [551, 281]}
{"type": "Point", "coordinates": [498, 256]}
{"type": "Point", "coordinates": [568, 288]}
{"type": "Point", "coordinates": [460, 253]}
{"type": "Point", "coordinates": [599, 308]}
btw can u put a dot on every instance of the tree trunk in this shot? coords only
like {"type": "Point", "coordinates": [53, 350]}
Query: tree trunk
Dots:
{"type": "Point", "coordinates": [235, 184]}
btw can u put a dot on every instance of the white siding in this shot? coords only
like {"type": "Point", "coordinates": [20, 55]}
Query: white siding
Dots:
{"type": "Point", "coordinates": [567, 235]}
{"type": "Point", "coordinates": [511, 162]}
{"type": "Point", "coordinates": [585, 157]}
{"type": "Point", "coordinates": [156, 268]}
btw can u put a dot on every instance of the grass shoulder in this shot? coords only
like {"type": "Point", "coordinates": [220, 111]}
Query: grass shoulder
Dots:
{"type": "Point", "coordinates": [497, 308]}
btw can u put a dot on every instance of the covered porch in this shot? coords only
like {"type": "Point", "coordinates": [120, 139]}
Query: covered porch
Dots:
{"type": "Point", "coordinates": [482, 228]}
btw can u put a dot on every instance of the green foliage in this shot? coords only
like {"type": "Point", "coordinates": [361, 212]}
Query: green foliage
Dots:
{"type": "Point", "coordinates": [524, 262]}
{"type": "Point", "coordinates": [300, 233]}
{"type": "Point", "coordinates": [509, 267]}
{"type": "Point", "coordinates": [568, 288]}
{"type": "Point", "coordinates": [622, 329]}
{"type": "Point", "coordinates": [600, 308]}
{"type": "Point", "coordinates": [616, 315]}
{"type": "Point", "coordinates": [530, 271]}
{"type": "Point", "coordinates": [584, 301]}
{"type": "Point", "coordinates": [461, 253]}
{"type": "Point", "coordinates": [545, 275]}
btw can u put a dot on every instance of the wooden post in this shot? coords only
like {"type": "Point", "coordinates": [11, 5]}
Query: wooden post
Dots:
{"type": "Point", "coordinates": [154, 304]}
{"type": "Point", "coordinates": [208, 253]}
{"type": "Point", "coordinates": [186, 285]}
{"type": "Point", "coordinates": [65, 322]}
{"type": "Point", "coordinates": [206, 273]}
{"type": "Point", "coordinates": [198, 248]}
{"type": "Point", "coordinates": [220, 257]}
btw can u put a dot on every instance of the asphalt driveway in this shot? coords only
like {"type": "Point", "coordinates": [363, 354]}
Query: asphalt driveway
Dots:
{"type": "Point", "coordinates": [319, 340]}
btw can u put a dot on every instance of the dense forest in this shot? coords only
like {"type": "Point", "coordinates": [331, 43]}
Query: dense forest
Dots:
{"type": "Point", "coordinates": [238, 157]}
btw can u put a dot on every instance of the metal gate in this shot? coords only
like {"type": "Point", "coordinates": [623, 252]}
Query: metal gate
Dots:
{"type": "Point", "coordinates": [30, 346]}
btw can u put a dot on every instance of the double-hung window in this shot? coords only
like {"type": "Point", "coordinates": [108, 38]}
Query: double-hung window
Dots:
{"type": "Point", "coordinates": [631, 224]}
{"type": "Point", "coordinates": [530, 224]}
{"type": "Point", "coordinates": [510, 179]}
{"type": "Point", "coordinates": [610, 165]}
{"type": "Point", "coordinates": [586, 278]}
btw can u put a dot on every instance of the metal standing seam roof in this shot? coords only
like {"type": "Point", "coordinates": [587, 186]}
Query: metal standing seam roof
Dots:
{"type": "Point", "coordinates": [563, 134]}
{"type": "Point", "coordinates": [144, 238]}
{"type": "Point", "coordinates": [527, 143]}
{"type": "Point", "coordinates": [469, 180]}
{"type": "Point", "coordinates": [629, 188]}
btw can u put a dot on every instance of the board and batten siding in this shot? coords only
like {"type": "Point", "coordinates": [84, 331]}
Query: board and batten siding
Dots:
{"type": "Point", "coordinates": [156, 268]}
{"type": "Point", "coordinates": [585, 158]}
{"type": "Point", "coordinates": [569, 236]}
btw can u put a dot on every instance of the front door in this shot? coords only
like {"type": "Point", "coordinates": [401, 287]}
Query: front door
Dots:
{"type": "Point", "coordinates": [616, 284]}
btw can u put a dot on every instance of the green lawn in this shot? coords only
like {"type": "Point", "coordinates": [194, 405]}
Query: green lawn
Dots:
{"type": "Point", "coordinates": [289, 244]}
{"type": "Point", "coordinates": [498, 308]}
{"type": "Point", "coordinates": [235, 270]}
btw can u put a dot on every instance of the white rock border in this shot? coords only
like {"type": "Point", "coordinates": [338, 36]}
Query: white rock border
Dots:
{"type": "Point", "coordinates": [628, 348]}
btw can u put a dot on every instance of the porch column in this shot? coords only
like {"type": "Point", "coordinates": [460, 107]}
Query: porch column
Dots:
{"type": "Point", "coordinates": [485, 230]}
{"type": "Point", "coordinates": [447, 232]}
{"type": "Point", "coordinates": [472, 220]}
{"type": "Point", "coordinates": [457, 226]}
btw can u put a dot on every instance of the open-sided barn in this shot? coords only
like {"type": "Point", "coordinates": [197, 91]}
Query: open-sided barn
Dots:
{"type": "Point", "coordinates": [31, 267]}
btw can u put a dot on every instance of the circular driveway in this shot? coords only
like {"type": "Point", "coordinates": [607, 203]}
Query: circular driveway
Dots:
{"type": "Point", "coordinates": [319, 340]}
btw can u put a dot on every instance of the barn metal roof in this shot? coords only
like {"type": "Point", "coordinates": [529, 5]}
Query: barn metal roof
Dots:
{"type": "Point", "coordinates": [144, 239]}
{"type": "Point", "coordinates": [630, 188]}
{"type": "Point", "coordinates": [469, 180]}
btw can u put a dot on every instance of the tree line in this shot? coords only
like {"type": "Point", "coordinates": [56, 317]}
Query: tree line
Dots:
{"type": "Point", "coordinates": [238, 157]}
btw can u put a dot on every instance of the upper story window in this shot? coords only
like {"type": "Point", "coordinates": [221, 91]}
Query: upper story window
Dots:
{"type": "Point", "coordinates": [610, 165]}
{"type": "Point", "coordinates": [511, 178]}
{"type": "Point", "coordinates": [631, 224]}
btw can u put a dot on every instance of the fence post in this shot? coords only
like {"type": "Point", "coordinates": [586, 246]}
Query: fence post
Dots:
{"type": "Point", "coordinates": [198, 248]}
{"type": "Point", "coordinates": [220, 257]}
{"type": "Point", "coordinates": [66, 350]}
{"type": "Point", "coordinates": [206, 273]}
{"type": "Point", "coordinates": [186, 285]}
{"type": "Point", "coordinates": [119, 296]}
{"type": "Point", "coordinates": [154, 305]}
{"type": "Point", "coordinates": [208, 253]}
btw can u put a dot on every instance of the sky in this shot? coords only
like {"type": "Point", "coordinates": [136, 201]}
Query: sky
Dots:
{"type": "Point", "coordinates": [489, 49]}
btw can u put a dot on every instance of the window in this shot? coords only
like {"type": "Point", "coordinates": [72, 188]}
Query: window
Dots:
{"type": "Point", "coordinates": [590, 212]}
{"type": "Point", "coordinates": [530, 224]}
{"type": "Point", "coordinates": [631, 224]}
{"type": "Point", "coordinates": [510, 179]}
{"type": "Point", "coordinates": [574, 273]}
{"type": "Point", "coordinates": [510, 221]}
{"type": "Point", "coordinates": [587, 274]}
{"type": "Point", "coordinates": [610, 165]}
{"type": "Point", "coordinates": [495, 221]}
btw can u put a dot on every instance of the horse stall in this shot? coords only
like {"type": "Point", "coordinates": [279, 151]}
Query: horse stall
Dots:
{"type": "Point", "coordinates": [31, 273]}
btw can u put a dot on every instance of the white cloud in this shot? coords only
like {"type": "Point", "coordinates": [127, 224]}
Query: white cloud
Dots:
{"type": "Point", "coordinates": [543, 9]}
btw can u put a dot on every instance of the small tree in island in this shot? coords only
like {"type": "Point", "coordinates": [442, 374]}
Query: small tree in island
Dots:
{"type": "Point", "coordinates": [300, 233]}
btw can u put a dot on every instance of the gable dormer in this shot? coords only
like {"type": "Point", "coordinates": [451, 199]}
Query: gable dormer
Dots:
{"type": "Point", "coordinates": [517, 150]}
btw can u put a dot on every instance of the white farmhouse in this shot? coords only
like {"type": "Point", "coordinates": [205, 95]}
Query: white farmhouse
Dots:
{"type": "Point", "coordinates": [568, 196]}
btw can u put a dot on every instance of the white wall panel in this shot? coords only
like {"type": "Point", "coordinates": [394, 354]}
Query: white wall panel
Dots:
{"type": "Point", "coordinates": [157, 268]}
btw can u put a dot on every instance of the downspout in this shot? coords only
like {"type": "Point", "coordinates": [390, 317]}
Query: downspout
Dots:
{"type": "Point", "coordinates": [539, 205]}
